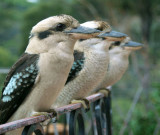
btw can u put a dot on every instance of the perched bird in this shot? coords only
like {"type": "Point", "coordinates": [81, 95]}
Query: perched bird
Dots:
{"type": "Point", "coordinates": [37, 77]}
{"type": "Point", "coordinates": [89, 67]}
{"type": "Point", "coordinates": [118, 62]}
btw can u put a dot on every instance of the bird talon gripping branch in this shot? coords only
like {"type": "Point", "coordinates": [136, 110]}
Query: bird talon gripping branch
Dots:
{"type": "Point", "coordinates": [84, 102]}
{"type": "Point", "coordinates": [104, 91]}
{"type": "Point", "coordinates": [46, 114]}
{"type": "Point", "coordinates": [87, 103]}
{"type": "Point", "coordinates": [54, 113]}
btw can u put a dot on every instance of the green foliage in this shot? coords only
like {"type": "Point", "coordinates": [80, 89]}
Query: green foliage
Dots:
{"type": "Point", "coordinates": [6, 58]}
{"type": "Point", "coordinates": [11, 13]}
{"type": "Point", "coordinates": [154, 43]}
{"type": "Point", "coordinates": [118, 113]}
{"type": "Point", "coordinates": [120, 107]}
{"type": "Point", "coordinates": [38, 13]}
{"type": "Point", "coordinates": [155, 96]}
{"type": "Point", "coordinates": [143, 124]}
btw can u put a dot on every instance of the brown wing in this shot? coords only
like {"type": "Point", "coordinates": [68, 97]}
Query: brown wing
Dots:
{"type": "Point", "coordinates": [77, 65]}
{"type": "Point", "coordinates": [18, 84]}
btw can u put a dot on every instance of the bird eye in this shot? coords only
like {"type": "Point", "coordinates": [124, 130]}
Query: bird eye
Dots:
{"type": "Point", "coordinates": [60, 27]}
{"type": "Point", "coordinates": [81, 40]}
{"type": "Point", "coordinates": [100, 28]}
{"type": "Point", "coordinates": [117, 43]}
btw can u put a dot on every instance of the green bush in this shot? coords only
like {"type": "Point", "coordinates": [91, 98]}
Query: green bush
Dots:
{"type": "Point", "coordinates": [6, 58]}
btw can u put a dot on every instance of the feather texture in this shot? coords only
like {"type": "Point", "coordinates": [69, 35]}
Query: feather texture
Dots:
{"type": "Point", "coordinates": [77, 65]}
{"type": "Point", "coordinates": [18, 84]}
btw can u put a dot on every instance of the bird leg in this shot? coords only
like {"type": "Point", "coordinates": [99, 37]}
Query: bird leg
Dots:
{"type": "Point", "coordinates": [84, 102]}
{"type": "Point", "coordinates": [104, 91]}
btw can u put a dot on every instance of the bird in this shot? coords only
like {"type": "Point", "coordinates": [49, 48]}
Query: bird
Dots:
{"type": "Point", "coordinates": [90, 64]}
{"type": "Point", "coordinates": [35, 80]}
{"type": "Point", "coordinates": [119, 53]}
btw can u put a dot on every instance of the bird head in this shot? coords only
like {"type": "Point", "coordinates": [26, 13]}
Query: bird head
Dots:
{"type": "Point", "coordinates": [125, 45]}
{"type": "Point", "coordinates": [58, 31]}
{"type": "Point", "coordinates": [106, 34]}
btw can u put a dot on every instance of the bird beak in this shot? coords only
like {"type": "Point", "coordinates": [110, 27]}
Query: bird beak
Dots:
{"type": "Point", "coordinates": [113, 36]}
{"type": "Point", "coordinates": [131, 45]}
{"type": "Point", "coordinates": [82, 32]}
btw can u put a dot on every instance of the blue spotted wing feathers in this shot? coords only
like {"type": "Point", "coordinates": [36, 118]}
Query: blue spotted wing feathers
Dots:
{"type": "Point", "coordinates": [18, 84]}
{"type": "Point", "coordinates": [77, 65]}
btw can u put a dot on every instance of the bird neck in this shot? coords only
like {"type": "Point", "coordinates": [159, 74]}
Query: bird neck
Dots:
{"type": "Point", "coordinates": [67, 46]}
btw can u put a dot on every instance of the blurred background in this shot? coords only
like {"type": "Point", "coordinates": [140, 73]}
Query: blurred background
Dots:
{"type": "Point", "coordinates": [136, 97]}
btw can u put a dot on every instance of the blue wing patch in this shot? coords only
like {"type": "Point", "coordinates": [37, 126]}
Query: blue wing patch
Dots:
{"type": "Point", "coordinates": [19, 79]}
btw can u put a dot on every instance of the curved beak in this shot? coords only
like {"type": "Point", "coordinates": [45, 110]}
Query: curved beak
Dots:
{"type": "Point", "coordinates": [133, 45]}
{"type": "Point", "coordinates": [113, 36]}
{"type": "Point", "coordinates": [82, 32]}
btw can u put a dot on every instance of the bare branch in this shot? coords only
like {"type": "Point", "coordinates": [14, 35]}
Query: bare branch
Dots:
{"type": "Point", "coordinates": [130, 112]}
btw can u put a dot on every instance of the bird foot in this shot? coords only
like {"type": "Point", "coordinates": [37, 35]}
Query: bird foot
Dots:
{"type": "Point", "coordinates": [54, 113]}
{"type": "Point", "coordinates": [46, 122]}
{"type": "Point", "coordinates": [40, 113]}
{"type": "Point", "coordinates": [46, 114]}
{"type": "Point", "coordinates": [105, 92]}
{"type": "Point", "coordinates": [84, 102]}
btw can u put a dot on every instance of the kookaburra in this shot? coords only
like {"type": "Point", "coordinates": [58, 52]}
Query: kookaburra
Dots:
{"type": "Point", "coordinates": [35, 80]}
{"type": "Point", "coordinates": [90, 64]}
{"type": "Point", "coordinates": [118, 62]}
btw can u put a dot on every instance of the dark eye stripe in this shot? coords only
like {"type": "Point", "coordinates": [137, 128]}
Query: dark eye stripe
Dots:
{"type": "Point", "coordinates": [82, 40]}
{"type": "Point", "coordinates": [44, 34]}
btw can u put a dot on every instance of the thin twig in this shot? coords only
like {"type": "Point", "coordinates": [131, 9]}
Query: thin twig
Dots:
{"type": "Point", "coordinates": [157, 128]}
{"type": "Point", "coordinates": [4, 70]}
{"type": "Point", "coordinates": [130, 112]}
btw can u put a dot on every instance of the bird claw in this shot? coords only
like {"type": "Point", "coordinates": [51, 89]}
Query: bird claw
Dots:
{"type": "Point", "coordinates": [105, 92]}
{"type": "Point", "coordinates": [54, 113]}
{"type": "Point", "coordinates": [46, 122]}
{"type": "Point", "coordinates": [84, 102]}
{"type": "Point", "coordinates": [46, 114]}
{"type": "Point", "coordinates": [40, 113]}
